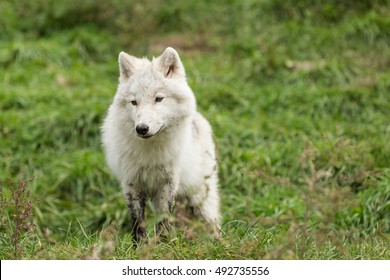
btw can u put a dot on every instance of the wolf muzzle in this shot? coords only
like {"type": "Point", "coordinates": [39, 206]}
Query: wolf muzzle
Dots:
{"type": "Point", "coordinates": [142, 129]}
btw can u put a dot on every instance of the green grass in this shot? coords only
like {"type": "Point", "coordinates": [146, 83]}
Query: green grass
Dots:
{"type": "Point", "coordinates": [298, 96]}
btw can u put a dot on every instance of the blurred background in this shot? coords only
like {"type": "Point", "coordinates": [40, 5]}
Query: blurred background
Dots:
{"type": "Point", "coordinates": [297, 92]}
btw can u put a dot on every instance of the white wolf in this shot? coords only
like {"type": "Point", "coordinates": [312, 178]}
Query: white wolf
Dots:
{"type": "Point", "coordinates": [157, 144]}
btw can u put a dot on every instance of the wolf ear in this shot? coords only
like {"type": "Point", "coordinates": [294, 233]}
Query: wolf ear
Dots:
{"type": "Point", "coordinates": [170, 64]}
{"type": "Point", "coordinates": [126, 65]}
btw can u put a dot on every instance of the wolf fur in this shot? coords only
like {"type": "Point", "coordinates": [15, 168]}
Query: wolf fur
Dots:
{"type": "Point", "coordinates": [156, 143]}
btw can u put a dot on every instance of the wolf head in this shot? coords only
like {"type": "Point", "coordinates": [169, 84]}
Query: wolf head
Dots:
{"type": "Point", "coordinates": [153, 95]}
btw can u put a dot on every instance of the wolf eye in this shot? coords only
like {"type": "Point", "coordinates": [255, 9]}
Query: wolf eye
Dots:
{"type": "Point", "coordinates": [159, 99]}
{"type": "Point", "coordinates": [133, 102]}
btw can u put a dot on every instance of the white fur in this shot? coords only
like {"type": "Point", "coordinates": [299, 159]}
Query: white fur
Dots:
{"type": "Point", "coordinates": [180, 148]}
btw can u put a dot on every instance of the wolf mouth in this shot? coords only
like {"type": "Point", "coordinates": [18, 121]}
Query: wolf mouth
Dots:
{"type": "Point", "coordinates": [146, 136]}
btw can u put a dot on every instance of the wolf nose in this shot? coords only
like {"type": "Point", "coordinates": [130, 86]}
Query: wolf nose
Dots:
{"type": "Point", "coordinates": [142, 129]}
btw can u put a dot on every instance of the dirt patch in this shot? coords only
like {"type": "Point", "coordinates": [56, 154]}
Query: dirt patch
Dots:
{"type": "Point", "coordinates": [198, 43]}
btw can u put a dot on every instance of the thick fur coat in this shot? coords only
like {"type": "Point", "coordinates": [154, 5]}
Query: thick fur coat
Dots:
{"type": "Point", "coordinates": [156, 143]}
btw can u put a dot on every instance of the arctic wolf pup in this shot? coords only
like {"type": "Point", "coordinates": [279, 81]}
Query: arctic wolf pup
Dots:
{"type": "Point", "coordinates": [157, 144]}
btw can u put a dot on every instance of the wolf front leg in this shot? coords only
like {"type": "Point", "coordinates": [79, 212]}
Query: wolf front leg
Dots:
{"type": "Point", "coordinates": [164, 202]}
{"type": "Point", "coordinates": [135, 202]}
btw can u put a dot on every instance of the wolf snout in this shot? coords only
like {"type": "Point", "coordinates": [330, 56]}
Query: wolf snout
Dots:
{"type": "Point", "coordinates": [142, 129]}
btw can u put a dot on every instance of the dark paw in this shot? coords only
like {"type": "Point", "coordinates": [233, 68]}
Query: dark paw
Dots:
{"type": "Point", "coordinates": [163, 228]}
{"type": "Point", "coordinates": [139, 234]}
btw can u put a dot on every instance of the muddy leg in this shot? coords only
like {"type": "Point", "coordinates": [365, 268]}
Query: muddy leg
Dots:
{"type": "Point", "coordinates": [135, 202]}
{"type": "Point", "coordinates": [164, 202]}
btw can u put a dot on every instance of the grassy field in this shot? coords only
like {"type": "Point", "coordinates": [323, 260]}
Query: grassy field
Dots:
{"type": "Point", "coordinates": [298, 96]}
